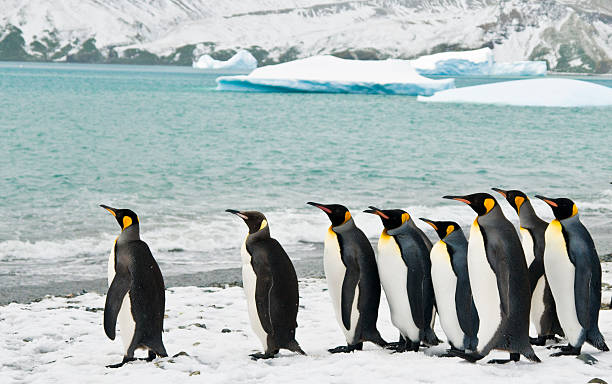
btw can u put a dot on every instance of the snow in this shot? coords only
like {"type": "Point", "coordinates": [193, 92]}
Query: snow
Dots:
{"type": "Point", "coordinates": [329, 74]}
{"type": "Point", "coordinates": [478, 62]}
{"type": "Point", "coordinates": [242, 61]}
{"type": "Point", "coordinates": [61, 339]}
{"type": "Point", "coordinates": [552, 92]}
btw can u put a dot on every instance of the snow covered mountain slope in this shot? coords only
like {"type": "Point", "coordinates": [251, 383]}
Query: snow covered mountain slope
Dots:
{"type": "Point", "coordinates": [571, 35]}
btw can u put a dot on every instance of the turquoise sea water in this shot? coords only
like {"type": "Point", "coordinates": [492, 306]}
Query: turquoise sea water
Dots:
{"type": "Point", "coordinates": [161, 141]}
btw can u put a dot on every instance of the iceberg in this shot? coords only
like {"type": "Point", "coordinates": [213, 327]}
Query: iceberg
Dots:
{"type": "Point", "coordinates": [478, 62]}
{"type": "Point", "coordinates": [460, 63]}
{"type": "Point", "coordinates": [550, 92]}
{"type": "Point", "coordinates": [242, 61]}
{"type": "Point", "coordinates": [330, 74]}
{"type": "Point", "coordinates": [519, 68]}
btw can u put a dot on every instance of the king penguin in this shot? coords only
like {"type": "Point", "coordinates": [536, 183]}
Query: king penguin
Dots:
{"type": "Point", "coordinates": [136, 293]}
{"type": "Point", "coordinates": [405, 273]}
{"type": "Point", "coordinates": [573, 271]}
{"type": "Point", "coordinates": [270, 285]}
{"type": "Point", "coordinates": [543, 313]}
{"type": "Point", "coordinates": [499, 281]}
{"type": "Point", "coordinates": [451, 282]}
{"type": "Point", "coordinates": [352, 279]}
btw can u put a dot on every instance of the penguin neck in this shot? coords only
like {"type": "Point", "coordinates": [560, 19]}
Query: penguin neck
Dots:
{"type": "Point", "coordinates": [131, 233]}
{"type": "Point", "coordinates": [405, 227]}
{"type": "Point", "coordinates": [456, 239]}
{"type": "Point", "coordinates": [571, 220]}
{"type": "Point", "coordinates": [344, 227]}
{"type": "Point", "coordinates": [262, 234]}
{"type": "Point", "coordinates": [527, 216]}
{"type": "Point", "coordinates": [492, 216]}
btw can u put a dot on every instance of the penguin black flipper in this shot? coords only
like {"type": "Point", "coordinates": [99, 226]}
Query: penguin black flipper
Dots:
{"type": "Point", "coordinates": [496, 256]}
{"type": "Point", "coordinates": [114, 298]}
{"type": "Point", "coordinates": [415, 283]}
{"type": "Point", "coordinates": [263, 288]}
{"type": "Point", "coordinates": [351, 279]}
{"type": "Point", "coordinates": [581, 252]}
{"type": "Point", "coordinates": [147, 297]}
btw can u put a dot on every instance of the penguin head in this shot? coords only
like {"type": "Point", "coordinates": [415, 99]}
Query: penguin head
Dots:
{"type": "Point", "coordinates": [256, 221]}
{"type": "Point", "coordinates": [562, 208]}
{"type": "Point", "coordinates": [514, 197]}
{"type": "Point", "coordinates": [442, 228]}
{"type": "Point", "coordinates": [125, 217]}
{"type": "Point", "coordinates": [481, 203]}
{"type": "Point", "coordinates": [391, 218]}
{"type": "Point", "coordinates": [338, 214]}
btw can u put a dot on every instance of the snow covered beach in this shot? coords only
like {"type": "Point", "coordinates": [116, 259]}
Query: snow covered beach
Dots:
{"type": "Point", "coordinates": [61, 339]}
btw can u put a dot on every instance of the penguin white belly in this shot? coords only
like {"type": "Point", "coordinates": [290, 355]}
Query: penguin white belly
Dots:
{"type": "Point", "coordinates": [249, 283]}
{"type": "Point", "coordinates": [527, 243]}
{"type": "Point", "coordinates": [334, 274]}
{"type": "Point", "coordinates": [484, 288]}
{"type": "Point", "coordinates": [394, 278]}
{"type": "Point", "coordinates": [560, 273]}
{"type": "Point", "coordinates": [127, 325]}
{"type": "Point", "coordinates": [537, 304]}
{"type": "Point", "coordinates": [445, 285]}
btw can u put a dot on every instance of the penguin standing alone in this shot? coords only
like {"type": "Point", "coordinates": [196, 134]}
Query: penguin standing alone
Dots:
{"type": "Point", "coordinates": [451, 281]}
{"type": "Point", "coordinates": [352, 279]}
{"type": "Point", "coordinates": [271, 287]}
{"type": "Point", "coordinates": [573, 271]}
{"type": "Point", "coordinates": [136, 293]}
{"type": "Point", "coordinates": [543, 313]}
{"type": "Point", "coordinates": [499, 281]}
{"type": "Point", "coordinates": [405, 273]}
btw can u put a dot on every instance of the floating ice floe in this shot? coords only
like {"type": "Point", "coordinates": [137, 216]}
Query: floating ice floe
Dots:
{"type": "Point", "coordinates": [553, 92]}
{"type": "Point", "coordinates": [242, 61]}
{"type": "Point", "coordinates": [478, 62]}
{"type": "Point", "coordinates": [329, 74]}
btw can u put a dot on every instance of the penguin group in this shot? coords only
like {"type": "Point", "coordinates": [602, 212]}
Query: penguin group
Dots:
{"type": "Point", "coordinates": [485, 289]}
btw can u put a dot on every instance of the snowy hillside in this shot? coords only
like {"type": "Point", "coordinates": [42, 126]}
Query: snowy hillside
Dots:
{"type": "Point", "coordinates": [572, 35]}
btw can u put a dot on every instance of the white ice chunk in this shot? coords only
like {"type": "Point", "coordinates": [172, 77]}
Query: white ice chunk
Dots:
{"type": "Point", "coordinates": [459, 63]}
{"type": "Point", "coordinates": [242, 61]}
{"type": "Point", "coordinates": [551, 92]}
{"type": "Point", "coordinates": [329, 74]}
{"type": "Point", "coordinates": [519, 68]}
{"type": "Point", "coordinates": [478, 62]}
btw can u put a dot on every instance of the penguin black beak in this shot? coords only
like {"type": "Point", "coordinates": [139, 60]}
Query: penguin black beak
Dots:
{"type": "Point", "coordinates": [500, 191]}
{"type": "Point", "coordinates": [320, 206]}
{"type": "Point", "coordinates": [111, 210]}
{"type": "Point", "coordinates": [430, 222]}
{"type": "Point", "coordinates": [375, 211]}
{"type": "Point", "coordinates": [458, 198]}
{"type": "Point", "coordinates": [547, 200]}
{"type": "Point", "coordinates": [237, 213]}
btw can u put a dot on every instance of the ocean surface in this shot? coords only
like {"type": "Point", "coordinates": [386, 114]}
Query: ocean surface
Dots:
{"type": "Point", "coordinates": [163, 142]}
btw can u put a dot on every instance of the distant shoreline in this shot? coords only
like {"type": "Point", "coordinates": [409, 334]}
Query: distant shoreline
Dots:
{"type": "Point", "coordinates": [308, 268]}
{"type": "Point", "coordinates": [205, 71]}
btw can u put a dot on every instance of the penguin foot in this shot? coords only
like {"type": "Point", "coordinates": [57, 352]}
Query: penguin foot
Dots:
{"type": "Point", "coordinates": [513, 357]}
{"type": "Point", "coordinates": [567, 350]}
{"type": "Point", "coordinates": [540, 340]}
{"type": "Point", "coordinates": [394, 346]}
{"type": "Point", "coordinates": [123, 362]}
{"type": "Point", "coordinates": [259, 355]}
{"type": "Point", "coordinates": [449, 353]}
{"type": "Point", "coordinates": [471, 357]}
{"type": "Point", "coordinates": [346, 348]}
{"type": "Point", "coordinates": [149, 358]}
